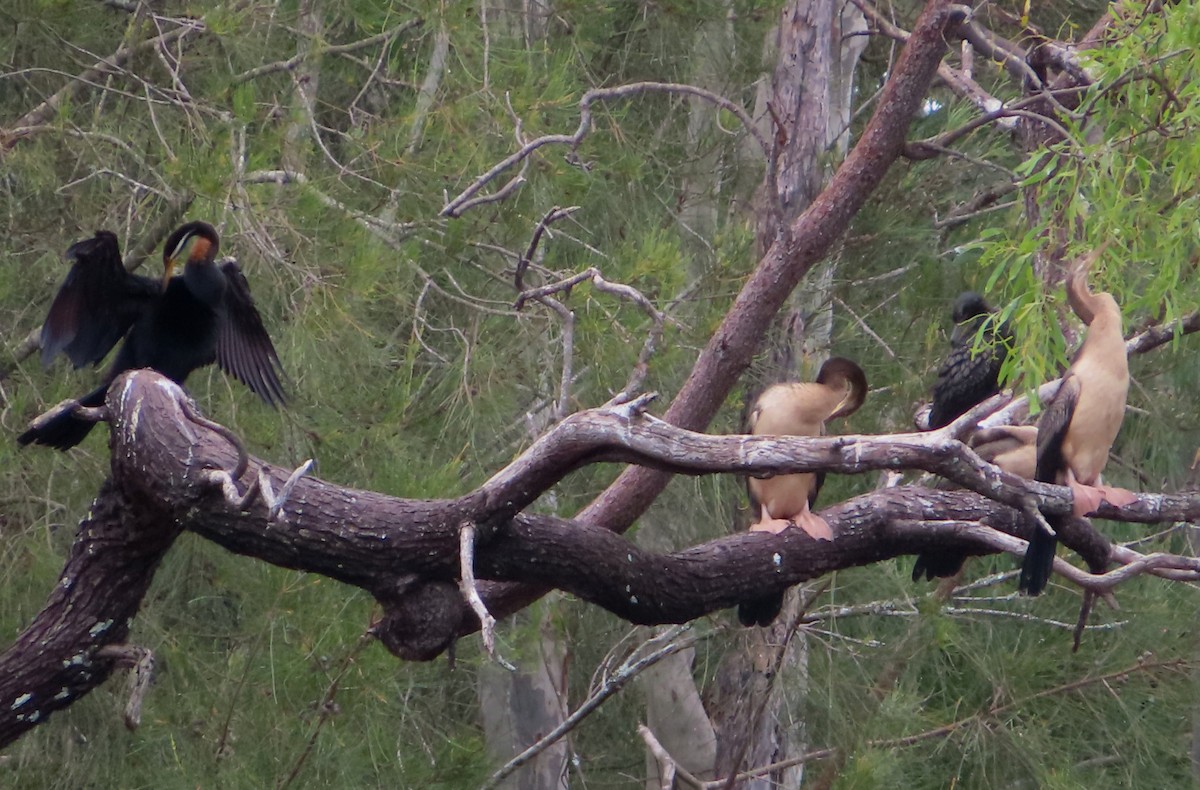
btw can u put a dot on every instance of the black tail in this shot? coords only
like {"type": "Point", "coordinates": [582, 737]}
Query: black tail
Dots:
{"type": "Point", "coordinates": [760, 611]}
{"type": "Point", "coordinates": [1039, 560]}
{"type": "Point", "coordinates": [62, 430]}
{"type": "Point", "coordinates": [939, 564]}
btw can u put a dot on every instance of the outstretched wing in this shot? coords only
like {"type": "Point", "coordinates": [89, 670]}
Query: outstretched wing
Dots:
{"type": "Point", "coordinates": [96, 304]}
{"type": "Point", "coordinates": [244, 349]}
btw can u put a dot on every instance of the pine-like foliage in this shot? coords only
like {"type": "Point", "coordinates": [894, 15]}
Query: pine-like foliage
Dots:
{"type": "Point", "coordinates": [325, 137]}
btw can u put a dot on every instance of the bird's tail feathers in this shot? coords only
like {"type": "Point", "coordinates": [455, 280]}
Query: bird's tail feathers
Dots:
{"type": "Point", "coordinates": [760, 611]}
{"type": "Point", "coordinates": [1039, 560]}
{"type": "Point", "coordinates": [62, 429]}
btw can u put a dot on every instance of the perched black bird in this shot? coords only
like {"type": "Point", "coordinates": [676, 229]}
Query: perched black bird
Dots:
{"type": "Point", "coordinates": [967, 377]}
{"type": "Point", "coordinates": [204, 315]}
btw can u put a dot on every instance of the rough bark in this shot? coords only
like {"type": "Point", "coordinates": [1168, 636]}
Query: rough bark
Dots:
{"type": "Point", "coordinates": [169, 473]}
{"type": "Point", "coordinates": [55, 661]}
{"type": "Point", "coordinates": [758, 696]}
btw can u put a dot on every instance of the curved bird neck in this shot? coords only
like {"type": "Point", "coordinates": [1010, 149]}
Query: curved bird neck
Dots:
{"type": "Point", "coordinates": [1105, 335]}
{"type": "Point", "coordinates": [796, 409]}
{"type": "Point", "coordinates": [205, 281]}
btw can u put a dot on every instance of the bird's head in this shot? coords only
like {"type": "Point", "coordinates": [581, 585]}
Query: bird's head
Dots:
{"type": "Point", "coordinates": [968, 305]}
{"type": "Point", "coordinates": [195, 242]}
{"type": "Point", "coordinates": [1082, 300]}
{"type": "Point", "coordinates": [839, 372]}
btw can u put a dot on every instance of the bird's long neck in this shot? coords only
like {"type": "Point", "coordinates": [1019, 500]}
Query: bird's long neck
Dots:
{"type": "Point", "coordinates": [205, 281]}
{"type": "Point", "coordinates": [1083, 302]}
{"type": "Point", "coordinates": [1105, 337]}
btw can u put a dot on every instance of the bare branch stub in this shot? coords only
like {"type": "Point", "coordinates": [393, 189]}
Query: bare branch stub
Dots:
{"type": "Point", "coordinates": [487, 623]}
{"type": "Point", "coordinates": [140, 663]}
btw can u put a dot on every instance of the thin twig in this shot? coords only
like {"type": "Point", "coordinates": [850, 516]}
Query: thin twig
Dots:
{"type": "Point", "coordinates": [291, 63]}
{"type": "Point", "coordinates": [612, 684]}
{"type": "Point", "coordinates": [466, 585]}
{"type": "Point", "coordinates": [326, 708]}
{"type": "Point", "coordinates": [457, 205]}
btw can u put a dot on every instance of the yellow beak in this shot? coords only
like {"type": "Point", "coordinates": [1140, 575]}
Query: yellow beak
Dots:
{"type": "Point", "coordinates": [168, 270]}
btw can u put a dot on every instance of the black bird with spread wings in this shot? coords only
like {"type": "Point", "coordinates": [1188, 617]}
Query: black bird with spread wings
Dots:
{"type": "Point", "coordinates": [203, 315]}
{"type": "Point", "coordinates": [967, 377]}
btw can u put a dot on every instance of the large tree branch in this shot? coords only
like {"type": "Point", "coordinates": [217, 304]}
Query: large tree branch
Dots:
{"type": "Point", "coordinates": [170, 472]}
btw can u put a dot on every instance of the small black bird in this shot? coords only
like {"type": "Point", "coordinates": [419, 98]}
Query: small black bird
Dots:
{"type": "Point", "coordinates": [967, 378]}
{"type": "Point", "coordinates": [204, 315]}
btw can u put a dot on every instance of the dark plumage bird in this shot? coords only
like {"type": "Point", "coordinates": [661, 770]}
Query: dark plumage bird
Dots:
{"type": "Point", "coordinates": [967, 377]}
{"type": "Point", "coordinates": [201, 316]}
{"type": "Point", "coordinates": [1081, 422]}
{"type": "Point", "coordinates": [797, 409]}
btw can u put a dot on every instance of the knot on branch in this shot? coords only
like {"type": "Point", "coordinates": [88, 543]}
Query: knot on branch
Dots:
{"type": "Point", "coordinates": [421, 622]}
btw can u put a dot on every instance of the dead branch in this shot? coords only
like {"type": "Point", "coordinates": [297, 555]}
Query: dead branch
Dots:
{"type": "Point", "coordinates": [671, 770]}
{"type": "Point", "coordinates": [550, 217]}
{"type": "Point", "coordinates": [456, 206]}
{"type": "Point", "coordinates": [959, 81]}
{"type": "Point", "coordinates": [44, 112]}
{"type": "Point", "coordinates": [386, 37]}
{"type": "Point", "coordinates": [390, 232]}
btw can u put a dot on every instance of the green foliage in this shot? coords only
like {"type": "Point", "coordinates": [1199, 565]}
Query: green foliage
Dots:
{"type": "Point", "coordinates": [412, 374]}
{"type": "Point", "coordinates": [1125, 175]}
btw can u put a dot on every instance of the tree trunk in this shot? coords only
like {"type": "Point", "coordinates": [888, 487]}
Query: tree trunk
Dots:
{"type": "Point", "coordinates": [805, 109]}
{"type": "Point", "coordinates": [311, 25]}
{"type": "Point", "coordinates": [518, 708]}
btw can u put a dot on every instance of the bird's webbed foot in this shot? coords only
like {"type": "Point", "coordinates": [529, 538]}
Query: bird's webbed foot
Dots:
{"type": "Point", "coordinates": [772, 525]}
{"type": "Point", "coordinates": [1088, 498]}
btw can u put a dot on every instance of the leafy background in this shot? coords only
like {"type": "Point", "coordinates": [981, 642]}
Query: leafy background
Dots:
{"type": "Point", "coordinates": [412, 374]}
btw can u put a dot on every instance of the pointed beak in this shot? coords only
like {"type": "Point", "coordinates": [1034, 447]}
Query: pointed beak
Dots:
{"type": "Point", "coordinates": [168, 270]}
